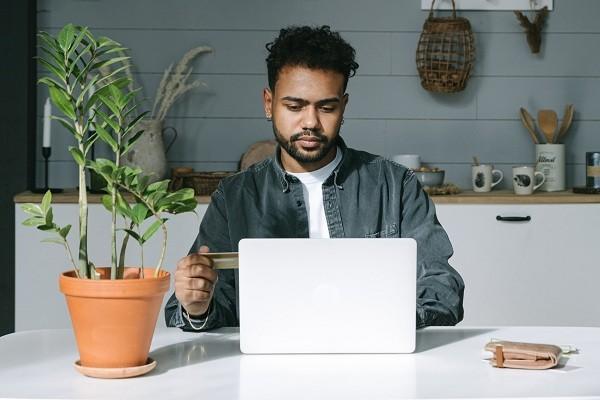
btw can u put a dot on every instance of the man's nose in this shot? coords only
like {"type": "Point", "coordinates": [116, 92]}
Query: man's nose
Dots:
{"type": "Point", "coordinates": [310, 119]}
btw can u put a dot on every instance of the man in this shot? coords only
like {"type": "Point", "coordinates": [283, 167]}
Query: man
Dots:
{"type": "Point", "coordinates": [314, 186]}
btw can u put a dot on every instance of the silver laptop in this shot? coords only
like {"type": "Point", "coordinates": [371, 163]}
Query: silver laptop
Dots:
{"type": "Point", "coordinates": [327, 295]}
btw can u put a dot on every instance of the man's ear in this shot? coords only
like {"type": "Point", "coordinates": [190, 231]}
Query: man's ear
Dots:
{"type": "Point", "coordinates": [268, 102]}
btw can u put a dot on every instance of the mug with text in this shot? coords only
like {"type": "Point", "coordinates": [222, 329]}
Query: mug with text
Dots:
{"type": "Point", "coordinates": [524, 179]}
{"type": "Point", "coordinates": [483, 177]}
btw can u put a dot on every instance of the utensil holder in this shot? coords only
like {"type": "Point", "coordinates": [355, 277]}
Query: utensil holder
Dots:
{"type": "Point", "coordinates": [550, 160]}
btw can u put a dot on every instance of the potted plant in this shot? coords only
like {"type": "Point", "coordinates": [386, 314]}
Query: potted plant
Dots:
{"type": "Point", "coordinates": [113, 309]}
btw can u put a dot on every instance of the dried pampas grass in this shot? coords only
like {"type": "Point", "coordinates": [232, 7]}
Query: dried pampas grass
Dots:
{"type": "Point", "coordinates": [174, 83]}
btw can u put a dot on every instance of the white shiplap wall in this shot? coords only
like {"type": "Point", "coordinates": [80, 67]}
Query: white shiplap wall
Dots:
{"type": "Point", "coordinates": [388, 112]}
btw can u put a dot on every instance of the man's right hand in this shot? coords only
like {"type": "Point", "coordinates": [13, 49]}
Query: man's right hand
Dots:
{"type": "Point", "coordinates": [195, 282]}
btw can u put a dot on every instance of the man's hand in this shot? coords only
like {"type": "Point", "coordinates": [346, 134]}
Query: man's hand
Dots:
{"type": "Point", "coordinates": [195, 282]}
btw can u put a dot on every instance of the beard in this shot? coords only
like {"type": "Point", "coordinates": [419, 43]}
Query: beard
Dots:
{"type": "Point", "coordinates": [297, 153]}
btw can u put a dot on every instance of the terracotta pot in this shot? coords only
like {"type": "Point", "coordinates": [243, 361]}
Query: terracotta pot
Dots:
{"type": "Point", "coordinates": [114, 320]}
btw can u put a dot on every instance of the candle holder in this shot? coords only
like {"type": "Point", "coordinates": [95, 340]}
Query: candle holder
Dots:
{"type": "Point", "coordinates": [46, 152]}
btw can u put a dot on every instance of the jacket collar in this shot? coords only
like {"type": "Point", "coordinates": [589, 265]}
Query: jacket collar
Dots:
{"type": "Point", "coordinates": [337, 175]}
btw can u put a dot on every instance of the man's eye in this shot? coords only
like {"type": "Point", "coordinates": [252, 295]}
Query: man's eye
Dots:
{"type": "Point", "coordinates": [328, 109]}
{"type": "Point", "coordinates": [294, 107]}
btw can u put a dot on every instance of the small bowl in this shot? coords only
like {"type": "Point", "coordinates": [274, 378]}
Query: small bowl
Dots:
{"type": "Point", "coordinates": [430, 178]}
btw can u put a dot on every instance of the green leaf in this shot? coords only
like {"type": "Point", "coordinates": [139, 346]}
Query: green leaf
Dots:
{"type": "Point", "coordinates": [65, 37]}
{"type": "Point", "coordinates": [53, 54]}
{"type": "Point", "coordinates": [64, 231]}
{"type": "Point", "coordinates": [54, 240]}
{"type": "Point", "coordinates": [108, 78]}
{"type": "Point", "coordinates": [48, 227]}
{"type": "Point", "coordinates": [91, 139]}
{"type": "Point", "coordinates": [82, 34]}
{"type": "Point", "coordinates": [107, 138]}
{"type": "Point", "coordinates": [74, 69]}
{"type": "Point", "coordinates": [132, 141]}
{"type": "Point", "coordinates": [108, 102]}
{"type": "Point", "coordinates": [113, 50]}
{"type": "Point", "coordinates": [140, 212]}
{"type": "Point", "coordinates": [46, 80]}
{"type": "Point", "coordinates": [49, 217]}
{"type": "Point", "coordinates": [66, 124]}
{"type": "Point", "coordinates": [153, 228]}
{"type": "Point", "coordinates": [61, 100]}
{"type": "Point", "coordinates": [109, 121]}
{"type": "Point", "coordinates": [86, 88]}
{"type": "Point", "coordinates": [123, 206]}
{"type": "Point", "coordinates": [49, 42]}
{"type": "Point", "coordinates": [107, 202]}
{"type": "Point", "coordinates": [109, 61]}
{"type": "Point", "coordinates": [46, 201]}
{"type": "Point", "coordinates": [57, 71]}
{"type": "Point", "coordinates": [104, 41]}
{"type": "Point", "coordinates": [133, 234]}
{"type": "Point", "coordinates": [161, 186]}
{"type": "Point", "coordinates": [77, 156]}
{"type": "Point", "coordinates": [34, 221]}
{"type": "Point", "coordinates": [32, 209]}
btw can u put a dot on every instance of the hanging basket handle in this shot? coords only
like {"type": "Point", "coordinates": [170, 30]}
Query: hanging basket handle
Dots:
{"type": "Point", "coordinates": [453, 9]}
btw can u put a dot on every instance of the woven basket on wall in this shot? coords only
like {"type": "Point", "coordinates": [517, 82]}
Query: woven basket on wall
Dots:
{"type": "Point", "coordinates": [445, 53]}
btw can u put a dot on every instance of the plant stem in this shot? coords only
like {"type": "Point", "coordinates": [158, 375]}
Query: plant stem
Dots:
{"type": "Point", "coordinates": [121, 267]}
{"type": "Point", "coordinates": [68, 249]}
{"type": "Point", "coordinates": [142, 257]}
{"type": "Point", "coordinates": [84, 269]}
{"type": "Point", "coordinates": [113, 234]}
{"type": "Point", "coordinates": [157, 216]}
{"type": "Point", "coordinates": [163, 250]}
{"type": "Point", "coordinates": [113, 266]}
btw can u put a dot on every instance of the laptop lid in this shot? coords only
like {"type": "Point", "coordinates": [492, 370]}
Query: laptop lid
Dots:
{"type": "Point", "coordinates": [327, 295]}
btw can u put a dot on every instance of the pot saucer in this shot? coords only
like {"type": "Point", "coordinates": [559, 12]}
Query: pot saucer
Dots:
{"type": "Point", "coordinates": [116, 373]}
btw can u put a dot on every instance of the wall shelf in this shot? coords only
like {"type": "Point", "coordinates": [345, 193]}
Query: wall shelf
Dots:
{"type": "Point", "coordinates": [491, 5]}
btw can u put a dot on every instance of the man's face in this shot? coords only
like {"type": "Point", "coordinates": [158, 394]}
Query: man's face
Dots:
{"type": "Point", "coordinates": [307, 106]}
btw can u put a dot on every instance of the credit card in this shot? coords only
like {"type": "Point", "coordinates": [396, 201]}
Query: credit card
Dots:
{"type": "Point", "coordinates": [224, 260]}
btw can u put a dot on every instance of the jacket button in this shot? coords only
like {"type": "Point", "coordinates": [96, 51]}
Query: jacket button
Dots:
{"type": "Point", "coordinates": [299, 203]}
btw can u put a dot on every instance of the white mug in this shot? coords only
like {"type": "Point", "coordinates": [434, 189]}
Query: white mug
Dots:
{"type": "Point", "coordinates": [524, 180]}
{"type": "Point", "coordinates": [412, 161]}
{"type": "Point", "coordinates": [482, 177]}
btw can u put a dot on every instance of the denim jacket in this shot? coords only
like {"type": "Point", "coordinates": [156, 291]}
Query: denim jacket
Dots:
{"type": "Point", "coordinates": [365, 196]}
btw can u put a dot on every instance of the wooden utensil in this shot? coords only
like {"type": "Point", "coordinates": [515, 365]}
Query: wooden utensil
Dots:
{"type": "Point", "coordinates": [548, 122]}
{"type": "Point", "coordinates": [566, 122]}
{"type": "Point", "coordinates": [527, 121]}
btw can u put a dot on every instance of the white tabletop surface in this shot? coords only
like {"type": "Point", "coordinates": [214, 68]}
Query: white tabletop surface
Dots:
{"type": "Point", "coordinates": [448, 363]}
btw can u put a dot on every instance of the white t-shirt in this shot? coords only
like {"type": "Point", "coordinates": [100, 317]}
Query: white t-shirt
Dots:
{"type": "Point", "coordinates": [312, 188]}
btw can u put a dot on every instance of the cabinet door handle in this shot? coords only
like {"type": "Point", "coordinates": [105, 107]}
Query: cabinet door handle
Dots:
{"type": "Point", "coordinates": [513, 219]}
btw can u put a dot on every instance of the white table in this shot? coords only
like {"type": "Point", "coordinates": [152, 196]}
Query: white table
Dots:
{"type": "Point", "coordinates": [448, 364]}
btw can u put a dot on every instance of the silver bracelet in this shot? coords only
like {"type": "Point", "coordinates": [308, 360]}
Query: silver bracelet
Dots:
{"type": "Point", "coordinates": [194, 327]}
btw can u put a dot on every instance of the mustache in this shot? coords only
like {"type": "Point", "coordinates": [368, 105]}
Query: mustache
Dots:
{"type": "Point", "coordinates": [315, 134]}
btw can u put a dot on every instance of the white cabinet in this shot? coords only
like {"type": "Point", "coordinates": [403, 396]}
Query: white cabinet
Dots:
{"type": "Point", "coordinates": [544, 271]}
{"type": "Point", "coordinates": [38, 302]}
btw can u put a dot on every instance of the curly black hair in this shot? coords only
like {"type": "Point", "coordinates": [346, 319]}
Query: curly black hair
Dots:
{"type": "Point", "coordinates": [311, 47]}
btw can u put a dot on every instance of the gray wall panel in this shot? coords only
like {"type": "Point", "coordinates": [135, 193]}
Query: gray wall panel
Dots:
{"type": "Point", "coordinates": [388, 112]}
{"type": "Point", "coordinates": [346, 15]}
{"type": "Point", "coordinates": [500, 98]}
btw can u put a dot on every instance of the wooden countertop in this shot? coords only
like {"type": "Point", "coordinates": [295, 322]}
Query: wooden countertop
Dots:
{"type": "Point", "coordinates": [466, 197]}
{"type": "Point", "coordinates": [72, 196]}
{"type": "Point", "coordinates": [509, 197]}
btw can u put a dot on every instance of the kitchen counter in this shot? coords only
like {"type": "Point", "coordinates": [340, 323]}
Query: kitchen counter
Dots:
{"type": "Point", "coordinates": [72, 196]}
{"type": "Point", "coordinates": [465, 197]}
